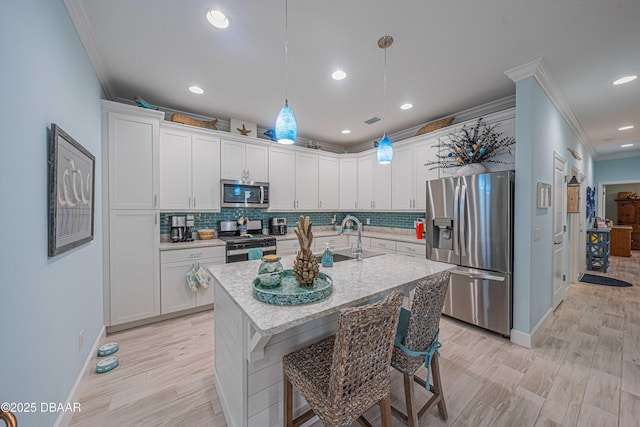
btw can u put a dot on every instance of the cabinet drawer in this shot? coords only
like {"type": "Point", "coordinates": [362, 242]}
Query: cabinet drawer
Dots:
{"type": "Point", "coordinates": [411, 248]}
{"type": "Point", "coordinates": [192, 254]}
{"type": "Point", "coordinates": [287, 245]}
{"type": "Point", "coordinates": [335, 242]}
{"type": "Point", "coordinates": [366, 242]}
{"type": "Point", "coordinates": [387, 246]}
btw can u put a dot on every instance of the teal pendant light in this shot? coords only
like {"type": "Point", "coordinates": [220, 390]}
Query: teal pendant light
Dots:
{"type": "Point", "coordinates": [385, 150]}
{"type": "Point", "coordinates": [286, 125]}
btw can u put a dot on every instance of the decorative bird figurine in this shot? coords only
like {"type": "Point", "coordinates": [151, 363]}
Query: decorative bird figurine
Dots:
{"type": "Point", "coordinates": [244, 131]}
{"type": "Point", "coordinates": [144, 104]}
{"type": "Point", "coordinates": [271, 134]}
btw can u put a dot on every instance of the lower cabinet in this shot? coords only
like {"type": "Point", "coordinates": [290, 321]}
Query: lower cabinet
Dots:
{"type": "Point", "coordinates": [335, 242]}
{"type": "Point", "coordinates": [411, 249]}
{"type": "Point", "coordinates": [175, 294]}
{"type": "Point", "coordinates": [382, 245]}
{"type": "Point", "coordinates": [287, 247]}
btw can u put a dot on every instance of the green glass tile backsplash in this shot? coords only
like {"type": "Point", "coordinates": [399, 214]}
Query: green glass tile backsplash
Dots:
{"type": "Point", "coordinates": [210, 219]}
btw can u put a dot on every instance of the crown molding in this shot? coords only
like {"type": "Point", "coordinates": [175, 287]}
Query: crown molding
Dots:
{"type": "Point", "coordinates": [538, 69]}
{"type": "Point", "coordinates": [78, 16]}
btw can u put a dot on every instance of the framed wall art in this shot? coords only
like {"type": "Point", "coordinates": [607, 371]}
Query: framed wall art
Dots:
{"type": "Point", "coordinates": [544, 195]}
{"type": "Point", "coordinates": [71, 192]}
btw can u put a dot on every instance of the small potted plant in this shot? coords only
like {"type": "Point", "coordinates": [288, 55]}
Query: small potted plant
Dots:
{"type": "Point", "coordinates": [468, 149]}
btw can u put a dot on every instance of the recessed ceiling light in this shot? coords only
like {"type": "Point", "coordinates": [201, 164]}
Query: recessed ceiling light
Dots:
{"type": "Point", "coordinates": [625, 79]}
{"type": "Point", "coordinates": [406, 106]}
{"type": "Point", "coordinates": [196, 89]}
{"type": "Point", "coordinates": [217, 19]}
{"type": "Point", "coordinates": [338, 75]}
{"type": "Point", "coordinates": [626, 145]}
{"type": "Point", "coordinates": [626, 127]}
{"type": "Point", "coordinates": [346, 131]}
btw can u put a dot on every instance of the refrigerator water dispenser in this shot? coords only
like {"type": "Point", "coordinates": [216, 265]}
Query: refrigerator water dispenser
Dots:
{"type": "Point", "coordinates": [443, 233]}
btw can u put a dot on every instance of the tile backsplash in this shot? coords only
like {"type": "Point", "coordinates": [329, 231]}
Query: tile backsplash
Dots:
{"type": "Point", "coordinates": [210, 219]}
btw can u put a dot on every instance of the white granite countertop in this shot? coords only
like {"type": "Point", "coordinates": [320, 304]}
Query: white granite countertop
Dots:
{"type": "Point", "coordinates": [397, 234]}
{"type": "Point", "coordinates": [169, 246]}
{"type": "Point", "coordinates": [354, 282]}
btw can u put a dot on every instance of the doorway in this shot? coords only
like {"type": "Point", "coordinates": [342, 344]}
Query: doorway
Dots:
{"type": "Point", "coordinates": [559, 228]}
{"type": "Point", "coordinates": [577, 232]}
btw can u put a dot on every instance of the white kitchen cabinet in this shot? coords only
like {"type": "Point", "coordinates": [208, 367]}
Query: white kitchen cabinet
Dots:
{"type": "Point", "coordinates": [328, 182]}
{"type": "Point", "coordinates": [411, 249]}
{"type": "Point", "coordinates": [348, 183]}
{"type": "Point", "coordinates": [424, 152]}
{"type": "Point", "coordinates": [306, 181]}
{"type": "Point", "coordinates": [134, 265]}
{"type": "Point", "coordinates": [383, 245]}
{"type": "Point", "coordinates": [244, 161]}
{"type": "Point", "coordinates": [133, 160]}
{"type": "Point", "coordinates": [403, 178]}
{"type": "Point", "coordinates": [374, 184]}
{"type": "Point", "coordinates": [335, 242]}
{"type": "Point", "coordinates": [287, 247]}
{"type": "Point", "coordinates": [175, 293]}
{"type": "Point", "coordinates": [282, 189]}
{"type": "Point", "coordinates": [190, 171]}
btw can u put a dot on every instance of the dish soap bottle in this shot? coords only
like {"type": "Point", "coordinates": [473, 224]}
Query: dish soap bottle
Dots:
{"type": "Point", "coordinates": [327, 257]}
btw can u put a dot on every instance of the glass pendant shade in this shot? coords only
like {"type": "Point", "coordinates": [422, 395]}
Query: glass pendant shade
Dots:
{"type": "Point", "coordinates": [286, 126]}
{"type": "Point", "coordinates": [385, 151]}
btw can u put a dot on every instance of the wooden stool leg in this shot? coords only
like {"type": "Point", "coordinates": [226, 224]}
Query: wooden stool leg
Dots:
{"type": "Point", "coordinates": [288, 402]}
{"type": "Point", "coordinates": [409, 394]}
{"type": "Point", "coordinates": [437, 386]}
{"type": "Point", "coordinates": [385, 411]}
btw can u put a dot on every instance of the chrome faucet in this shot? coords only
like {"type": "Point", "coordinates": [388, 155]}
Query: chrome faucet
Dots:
{"type": "Point", "coordinates": [358, 250]}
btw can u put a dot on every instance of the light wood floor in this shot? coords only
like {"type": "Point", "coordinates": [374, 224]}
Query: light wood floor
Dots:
{"type": "Point", "coordinates": [584, 372]}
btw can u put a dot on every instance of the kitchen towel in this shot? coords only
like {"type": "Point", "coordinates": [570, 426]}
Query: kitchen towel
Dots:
{"type": "Point", "coordinates": [255, 253]}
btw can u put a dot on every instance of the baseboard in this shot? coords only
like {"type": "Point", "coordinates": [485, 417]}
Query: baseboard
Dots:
{"type": "Point", "coordinates": [529, 340]}
{"type": "Point", "coordinates": [137, 323]}
{"type": "Point", "coordinates": [64, 418]}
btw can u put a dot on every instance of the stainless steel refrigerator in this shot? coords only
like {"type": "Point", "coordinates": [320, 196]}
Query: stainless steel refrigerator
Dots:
{"type": "Point", "coordinates": [469, 222]}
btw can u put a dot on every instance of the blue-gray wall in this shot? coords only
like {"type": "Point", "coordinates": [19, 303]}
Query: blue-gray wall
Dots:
{"type": "Point", "coordinates": [540, 130]}
{"type": "Point", "coordinates": [46, 77]}
{"type": "Point", "coordinates": [618, 170]}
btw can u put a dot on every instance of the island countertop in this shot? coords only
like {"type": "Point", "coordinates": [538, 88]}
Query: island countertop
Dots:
{"type": "Point", "coordinates": [354, 282]}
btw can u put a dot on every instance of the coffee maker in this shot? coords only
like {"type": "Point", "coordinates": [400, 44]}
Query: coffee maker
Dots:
{"type": "Point", "coordinates": [178, 224]}
{"type": "Point", "coordinates": [189, 221]}
{"type": "Point", "coordinates": [278, 226]}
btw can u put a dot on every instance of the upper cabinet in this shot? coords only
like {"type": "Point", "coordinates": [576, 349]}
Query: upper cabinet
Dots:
{"type": "Point", "coordinates": [374, 184]}
{"type": "Point", "coordinates": [190, 170]}
{"type": "Point", "coordinates": [348, 183]}
{"type": "Point", "coordinates": [244, 161]}
{"type": "Point", "coordinates": [328, 182]}
{"type": "Point", "coordinates": [306, 181]}
{"type": "Point", "coordinates": [282, 190]}
{"type": "Point", "coordinates": [132, 161]}
{"type": "Point", "coordinates": [411, 171]}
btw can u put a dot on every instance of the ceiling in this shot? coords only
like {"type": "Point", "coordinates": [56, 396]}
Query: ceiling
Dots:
{"type": "Point", "coordinates": [446, 57]}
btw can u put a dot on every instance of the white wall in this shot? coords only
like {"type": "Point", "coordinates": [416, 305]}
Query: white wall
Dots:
{"type": "Point", "coordinates": [44, 302]}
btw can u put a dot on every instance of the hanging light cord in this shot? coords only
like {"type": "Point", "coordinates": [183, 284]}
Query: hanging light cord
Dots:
{"type": "Point", "coordinates": [384, 101]}
{"type": "Point", "coordinates": [286, 52]}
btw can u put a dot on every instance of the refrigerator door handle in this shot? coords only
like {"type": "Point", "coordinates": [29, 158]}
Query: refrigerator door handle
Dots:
{"type": "Point", "coordinates": [481, 276]}
{"type": "Point", "coordinates": [463, 224]}
{"type": "Point", "coordinates": [456, 218]}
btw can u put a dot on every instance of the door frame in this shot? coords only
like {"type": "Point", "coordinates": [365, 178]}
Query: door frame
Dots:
{"type": "Point", "coordinates": [601, 200]}
{"type": "Point", "coordinates": [577, 232]}
{"type": "Point", "coordinates": [562, 291]}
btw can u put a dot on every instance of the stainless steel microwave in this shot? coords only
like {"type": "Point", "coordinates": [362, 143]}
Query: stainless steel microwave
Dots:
{"type": "Point", "coordinates": [241, 194]}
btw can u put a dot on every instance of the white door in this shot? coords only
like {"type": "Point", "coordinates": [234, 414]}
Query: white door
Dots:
{"type": "Point", "coordinates": [282, 164]}
{"type": "Point", "coordinates": [348, 183]}
{"type": "Point", "coordinates": [205, 166]}
{"type": "Point", "coordinates": [175, 170]}
{"type": "Point", "coordinates": [232, 154]}
{"type": "Point", "coordinates": [424, 152]}
{"type": "Point", "coordinates": [257, 163]}
{"type": "Point", "coordinates": [176, 294]}
{"type": "Point", "coordinates": [365, 182]}
{"type": "Point", "coordinates": [381, 186]}
{"type": "Point", "coordinates": [306, 181]}
{"type": "Point", "coordinates": [328, 183]}
{"type": "Point", "coordinates": [559, 209]}
{"type": "Point", "coordinates": [403, 178]}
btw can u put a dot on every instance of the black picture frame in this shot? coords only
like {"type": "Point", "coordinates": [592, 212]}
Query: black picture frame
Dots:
{"type": "Point", "coordinates": [71, 192]}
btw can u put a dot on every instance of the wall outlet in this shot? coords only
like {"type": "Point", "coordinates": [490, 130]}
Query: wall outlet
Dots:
{"type": "Point", "coordinates": [536, 233]}
{"type": "Point", "coordinates": [80, 340]}
{"type": "Point", "coordinates": [368, 221]}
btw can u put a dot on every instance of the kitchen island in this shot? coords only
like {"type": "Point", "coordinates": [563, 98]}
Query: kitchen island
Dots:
{"type": "Point", "coordinates": [251, 337]}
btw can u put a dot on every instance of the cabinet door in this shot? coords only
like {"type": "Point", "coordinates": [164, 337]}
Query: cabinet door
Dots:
{"type": "Point", "coordinates": [133, 162]}
{"type": "Point", "coordinates": [365, 182]}
{"type": "Point", "coordinates": [232, 154]}
{"type": "Point", "coordinates": [205, 296]}
{"type": "Point", "coordinates": [403, 178]}
{"type": "Point", "coordinates": [335, 242]}
{"type": "Point", "coordinates": [257, 162]}
{"type": "Point", "coordinates": [348, 183]}
{"type": "Point", "coordinates": [205, 161]}
{"type": "Point", "coordinates": [175, 293]}
{"type": "Point", "coordinates": [423, 153]}
{"type": "Point", "coordinates": [328, 183]}
{"type": "Point", "coordinates": [282, 180]}
{"type": "Point", "coordinates": [306, 181]}
{"type": "Point", "coordinates": [134, 265]}
{"type": "Point", "coordinates": [626, 212]}
{"type": "Point", "coordinates": [175, 170]}
{"type": "Point", "coordinates": [381, 186]}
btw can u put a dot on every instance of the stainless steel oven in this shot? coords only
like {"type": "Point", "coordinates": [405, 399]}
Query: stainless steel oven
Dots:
{"type": "Point", "coordinates": [238, 194]}
{"type": "Point", "coordinates": [238, 245]}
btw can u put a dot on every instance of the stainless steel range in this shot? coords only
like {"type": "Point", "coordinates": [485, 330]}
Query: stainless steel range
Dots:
{"type": "Point", "coordinates": [238, 245]}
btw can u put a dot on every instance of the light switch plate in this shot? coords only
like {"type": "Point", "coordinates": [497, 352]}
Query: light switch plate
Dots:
{"type": "Point", "coordinates": [536, 233]}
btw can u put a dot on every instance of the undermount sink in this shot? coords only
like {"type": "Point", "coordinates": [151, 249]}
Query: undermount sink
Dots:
{"type": "Point", "coordinates": [346, 255]}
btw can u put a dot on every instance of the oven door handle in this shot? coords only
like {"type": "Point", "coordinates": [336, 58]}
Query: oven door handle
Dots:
{"type": "Point", "coordinates": [246, 250]}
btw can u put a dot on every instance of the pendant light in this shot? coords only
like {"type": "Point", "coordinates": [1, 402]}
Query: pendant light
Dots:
{"type": "Point", "coordinates": [286, 126]}
{"type": "Point", "coordinates": [385, 150]}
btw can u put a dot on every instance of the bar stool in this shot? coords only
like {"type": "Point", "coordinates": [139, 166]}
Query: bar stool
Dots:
{"type": "Point", "coordinates": [344, 375]}
{"type": "Point", "coordinates": [416, 343]}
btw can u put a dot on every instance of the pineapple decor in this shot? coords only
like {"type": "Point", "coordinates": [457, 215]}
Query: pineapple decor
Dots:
{"type": "Point", "coordinates": [305, 266]}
